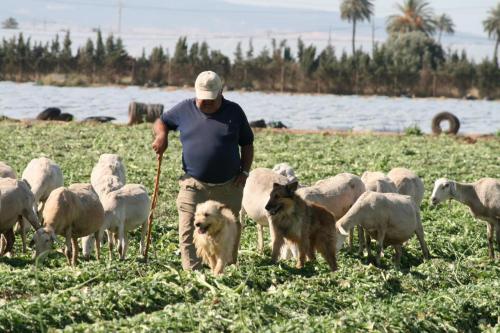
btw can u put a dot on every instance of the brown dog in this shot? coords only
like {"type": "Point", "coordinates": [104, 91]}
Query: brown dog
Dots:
{"type": "Point", "coordinates": [216, 235]}
{"type": "Point", "coordinates": [310, 226]}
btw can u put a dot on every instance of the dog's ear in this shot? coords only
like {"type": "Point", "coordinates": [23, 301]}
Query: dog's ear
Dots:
{"type": "Point", "coordinates": [292, 187]}
{"type": "Point", "coordinates": [276, 185]}
{"type": "Point", "coordinates": [222, 206]}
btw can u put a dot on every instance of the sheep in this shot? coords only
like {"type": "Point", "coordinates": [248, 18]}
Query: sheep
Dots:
{"type": "Point", "coordinates": [109, 174]}
{"type": "Point", "coordinates": [408, 183]}
{"type": "Point", "coordinates": [125, 209]}
{"type": "Point", "coordinates": [391, 218]}
{"type": "Point", "coordinates": [16, 200]}
{"type": "Point", "coordinates": [44, 176]}
{"type": "Point", "coordinates": [72, 212]}
{"type": "Point", "coordinates": [6, 171]}
{"type": "Point", "coordinates": [337, 194]}
{"type": "Point", "coordinates": [256, 192]}
{"type": "Point", "coordinates": [482, 197]}
{"type": "Point", "coordinates": [378, 182]}
{"type": "Point", "coordinates": [286, 170]}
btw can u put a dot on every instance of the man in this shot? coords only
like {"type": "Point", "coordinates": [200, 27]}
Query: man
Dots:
{"type": "Point", "coordinates": [213, 130]}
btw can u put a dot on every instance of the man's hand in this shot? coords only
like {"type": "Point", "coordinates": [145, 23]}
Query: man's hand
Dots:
{"type": "Point", "coordinates": [160, 143]}
{"type": "Point", "coordinates": [240, 180]}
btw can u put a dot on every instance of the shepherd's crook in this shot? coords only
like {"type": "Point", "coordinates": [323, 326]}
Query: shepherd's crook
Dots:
{"type": "Point", "coordinates": [153, 206]}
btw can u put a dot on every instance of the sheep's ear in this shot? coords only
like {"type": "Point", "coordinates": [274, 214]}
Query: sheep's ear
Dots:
{"type": "Point", "coordinates": [292, 187]}
{"type": "Point", "coordinates": [446, 185]}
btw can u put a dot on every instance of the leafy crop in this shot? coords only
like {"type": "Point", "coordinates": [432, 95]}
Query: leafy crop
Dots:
{"type": "Point", "coordinates": [455, 291]}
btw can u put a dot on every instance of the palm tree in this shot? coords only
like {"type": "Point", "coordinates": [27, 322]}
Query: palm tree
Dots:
{"type": "Point", "coordinates": [445, 24]}
{"type": "Point", "coordinates": [416, 15]}
{"type": "Point", "coordinates": [492, 27]}
{"type": "Point", "coordinates": [353, 11]}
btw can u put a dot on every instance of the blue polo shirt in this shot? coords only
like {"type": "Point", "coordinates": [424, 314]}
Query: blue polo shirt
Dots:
{"type": "Point", "coordinates": [210, 142]}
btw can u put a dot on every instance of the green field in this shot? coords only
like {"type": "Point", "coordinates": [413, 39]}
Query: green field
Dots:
{"type": "Point", "coordinates": [456, 291]}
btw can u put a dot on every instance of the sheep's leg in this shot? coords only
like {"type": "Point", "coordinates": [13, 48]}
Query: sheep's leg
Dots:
{"type": "Point", "coordinates": [380, 249]}
{"type": "Point", "coordinates": [121, 243]}
{"type": "Point", "coordinates": [423, 245]}
{"type": "Point", "coordinates": [351, 239]}
{"type": "Point", "coordinates": [260, 238]}
{"type": "Point", "coordinates": [9, 240]}
{"type": "Point", "coordinates": [368, 245]}
{"type": "Point", "coordinates": [219, 267]}
{"type": "Point", "coordinates": [3, 241]}
{"type": "Point", "coordinates": [497, 230]}
{"type": "Point", "coordinates": [68, 251]}
{"type": "Point", "coordinates": [22, 229]}
{"type": "Point", "coordinates": [124, 247]}
{"type": "Point", "coordinates": [144, 231]}
{"type": "Point", "coordinates": [398, 249]}
{"type": "Point", "coordinates": [98, 237]}
{"type": "Point", "coordinates": [361, 240]}
{"type": "Point", "coordinates": [491, 229]}
{"type": "Point", "coordinates": [111, 244]}
{"type": "Point", "coordinates": [74, 257]}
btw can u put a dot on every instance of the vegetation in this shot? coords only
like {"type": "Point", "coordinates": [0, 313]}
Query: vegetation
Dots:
{"type": "Point", "coordinates": [444, 24]}
{"type": "Point", "coordinates": [415, 15]}
{"type": "Point", "coordinates": [354, 11]}
{"type": "Point", "coordinates": [456, 291]}
{"type": "Point", "coordinates": [10, 23]}
{"type": "Point", "coordinates": [492, 27]}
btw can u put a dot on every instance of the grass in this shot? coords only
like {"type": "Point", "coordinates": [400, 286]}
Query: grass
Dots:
{"type": "Point", "coordinates": [456, 291]}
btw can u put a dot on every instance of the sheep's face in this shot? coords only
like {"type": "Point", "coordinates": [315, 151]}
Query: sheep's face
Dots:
{"type": "Point", "coordinates": [209, 217]}
{"type": "Point", "coordinates": [281, 198]}
{"type": "Point", "coordinates": [441, 191]}
{"type": "Point", "coordinates": [42, 241]}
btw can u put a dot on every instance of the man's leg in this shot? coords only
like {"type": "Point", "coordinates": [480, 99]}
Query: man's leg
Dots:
{"type": "Point", "coordinates": [189, 196]}
{"type": "Point", "coordinates": [231, 195]}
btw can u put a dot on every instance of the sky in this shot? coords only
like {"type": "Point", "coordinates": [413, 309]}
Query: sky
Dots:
{"type": "Point", "coordinates": [224, 23]}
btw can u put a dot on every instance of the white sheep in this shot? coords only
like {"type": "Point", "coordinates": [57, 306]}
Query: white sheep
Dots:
{"type": "Point", "coordinates": [256, 192]}
{"type": "Point", "coordinates": [408, 183]}
{"type": "Point", "coordinates": [16, 200]}
{"type": "Point", "coordinates": [286, 170]}
{"type": "Point", "coordinates": [124, 210]}
{"type": "Point", "coordinates": [72, 212]}
{"type": "Point", "coordinates": [43, 175]}
{"type": "Point", "coordinates": [482, 197]}
{"type": "Point", "coordinates": [109, 174]}
{"type": "Point", "coordinates": [378, 182]}
{"type": "Point", "coordinates": [390, 218]}
{"type": "Point", "coordinates": [7, 171]}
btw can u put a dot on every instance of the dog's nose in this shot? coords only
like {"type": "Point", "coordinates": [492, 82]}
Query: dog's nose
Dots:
{"type": "Point", "coordinates": [197, 225]}
{"type": "Point", "coordinates": [268, 207]}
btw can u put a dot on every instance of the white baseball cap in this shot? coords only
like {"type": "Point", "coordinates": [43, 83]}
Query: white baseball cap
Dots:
{"type": "Point", "coordinates": [208, 85]}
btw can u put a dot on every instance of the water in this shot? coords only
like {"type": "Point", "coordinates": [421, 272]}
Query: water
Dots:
{"type": "Point", "coordinates": [301, 111]}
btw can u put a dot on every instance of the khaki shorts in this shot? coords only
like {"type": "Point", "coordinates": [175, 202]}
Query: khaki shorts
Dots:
{"type": "Point", "coordinates": [193, 192]}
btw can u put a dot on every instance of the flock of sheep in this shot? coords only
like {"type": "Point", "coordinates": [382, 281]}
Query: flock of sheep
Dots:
{"type": "Point", "coordinates": [383, 207]}
{"type": "Point", "coordinates": [83, 211]}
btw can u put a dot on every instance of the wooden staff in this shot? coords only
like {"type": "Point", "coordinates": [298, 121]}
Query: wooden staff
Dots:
{"type": "Point", "coordinates": [154, 200]}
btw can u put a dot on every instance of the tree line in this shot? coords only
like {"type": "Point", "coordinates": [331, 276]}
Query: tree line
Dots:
{"type": "Point", "coordinates": [411, 61]}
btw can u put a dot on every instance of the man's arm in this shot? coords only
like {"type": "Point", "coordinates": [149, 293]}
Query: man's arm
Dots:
{"type": "Point", "coordinates": [246, 157]}
{"type": "Point", "coordinates": [246, 164]}
{"type": "Point", "coordinates": [160, 142]}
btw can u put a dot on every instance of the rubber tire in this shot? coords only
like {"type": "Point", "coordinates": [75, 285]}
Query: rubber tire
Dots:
{"type": "Point", "coordinates": [442, 116]}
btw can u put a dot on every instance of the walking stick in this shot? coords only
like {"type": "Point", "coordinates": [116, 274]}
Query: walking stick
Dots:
{"type": "Point", "coordinates": [154, 200]}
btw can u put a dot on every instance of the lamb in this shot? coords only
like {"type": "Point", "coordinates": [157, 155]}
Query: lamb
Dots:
{"type": "Point", "coordinates": [482, 197]}
{"type": "Point", "coordinates": [44, 176]}
{"type": "Point", "coordinates": [125, 209]}
{"type": "Point", "coordinates": [109, 174]}
{"type": "Point", "coordinates": [390, 218]}
{"type": "Point", "coordinates": [256, 192]}
{"type": "Point", "coordinates": [72, 212]}
{"type": "Point", "coordinates": [408, 183]}
{"type": "Point", "coordinates": [16, 200]}
{"type": "Point", "coordinates": [378, 182]}
{"type": "Point", "coordinates": [337, 194]}
{"type": "Point", "coordinates": [6, 171]}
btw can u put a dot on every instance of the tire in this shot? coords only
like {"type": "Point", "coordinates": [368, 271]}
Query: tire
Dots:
{"type": "Point", "coordinates": [451, 118]}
